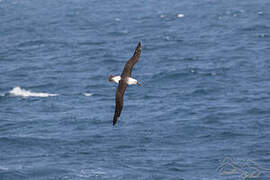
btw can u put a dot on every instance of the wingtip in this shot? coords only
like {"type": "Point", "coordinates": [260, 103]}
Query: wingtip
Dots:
{"type": "Point", "coordinates": [137, 51]}
{"type": "Point", "coordinates": [115, 118]}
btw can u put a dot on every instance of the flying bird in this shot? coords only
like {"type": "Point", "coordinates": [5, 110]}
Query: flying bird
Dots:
{"type": "Point", "coordinates": [123, 81]}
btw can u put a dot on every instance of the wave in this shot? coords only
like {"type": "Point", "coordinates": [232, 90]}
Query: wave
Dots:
{"type": "Point", "coordinates": [88, 94]}
{"type": "Point", "coordinates": [17, 91]}
{"type": "Point", "coordinates": [180, 15]}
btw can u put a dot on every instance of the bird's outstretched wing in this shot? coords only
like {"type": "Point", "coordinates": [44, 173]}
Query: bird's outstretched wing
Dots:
{"type": "Point", "coordinates": [129, 65]}
{"type": "Point", "coordinates": [119, 99]}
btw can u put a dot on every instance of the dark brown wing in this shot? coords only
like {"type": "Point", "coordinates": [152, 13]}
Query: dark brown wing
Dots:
{"type": "Point", "coordinates": [119, 99]}
{"type": "Point", "coordinates": [129, 65]}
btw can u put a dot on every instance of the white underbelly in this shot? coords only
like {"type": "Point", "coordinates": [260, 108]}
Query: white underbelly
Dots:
{"type": "Point", "coordinates": [116, 79]}
{"type": "Point", "coordinates": [131, 81]}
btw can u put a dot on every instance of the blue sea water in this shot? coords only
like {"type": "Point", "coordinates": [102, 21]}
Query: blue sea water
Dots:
{"type": "Point", "coordinates": [203, 112]}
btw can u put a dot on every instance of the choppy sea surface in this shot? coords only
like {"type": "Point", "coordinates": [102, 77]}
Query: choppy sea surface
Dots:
{"type": "Point", "coordinates": [203, 112]}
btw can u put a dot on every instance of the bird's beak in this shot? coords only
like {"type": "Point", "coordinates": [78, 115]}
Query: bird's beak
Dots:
{"type": "Point", "coordinates": [139, 84]}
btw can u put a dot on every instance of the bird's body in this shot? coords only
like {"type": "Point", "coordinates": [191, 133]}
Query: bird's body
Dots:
{"type": "Point", "coordinates": [123, 81]}
{"type": "Point", "coordinates": [129, 80]}
{"type": "Point", "coordinates": [115, 79]}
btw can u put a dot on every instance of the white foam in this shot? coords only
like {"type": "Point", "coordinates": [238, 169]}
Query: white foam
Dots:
{"type": "Point", "coordinates": [2, 167]}
{"type": "Point", "coordinates": [17, 91]}
{"type": "Point", "coordinates": [180, 15]}
{"type": "Point", "coordinates": [88, 94]}
{"type": "Point", "coordinates": [162, 16]}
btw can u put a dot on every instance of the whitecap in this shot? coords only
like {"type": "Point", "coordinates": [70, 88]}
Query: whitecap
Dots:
{"type": "Point", "coordinates": [162, 16]}
{"type": "Point", "coordinates": [88, 94]}
{"type": "Point", "coordinates": [2, 167]}
{"type": "Point", "coordinates": [17, 91]}
{"type": "Point", "coordinates": [180, 15]}
{"type": "Point", "coordinates": [86, 173]}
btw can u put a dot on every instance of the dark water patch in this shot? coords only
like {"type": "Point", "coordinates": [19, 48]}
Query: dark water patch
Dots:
{"type": "Point", "coordinates": [92, 43]}
{"type": "Point", "coordinates": [200, 91]}
{"type": "Point", "coordinates": [112, 61]}
{"type": "Point", "coordinates": [169, 76]}
{"type": "Point", "coordinates": [257, 27]}
{"type": "Point", "coordinates": [8, 125]}
{"type": "Point", "coordinates": [28, 142]}
{"type": "Point", "coordinates": [231, 134]}
{"type": "Point", "coordinates": [257, 110]}
{"type": "Point", "coordinates": [12, 174]}
{"type": "Point", "coordinates": [42, 172]}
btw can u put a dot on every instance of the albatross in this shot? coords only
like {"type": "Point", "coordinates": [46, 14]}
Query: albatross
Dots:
{"type": "Point", "coordinates": [123, 81]}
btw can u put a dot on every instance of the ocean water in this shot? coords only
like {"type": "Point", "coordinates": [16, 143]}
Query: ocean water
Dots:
{"type": "Point", "coordinates": [203, 112]}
